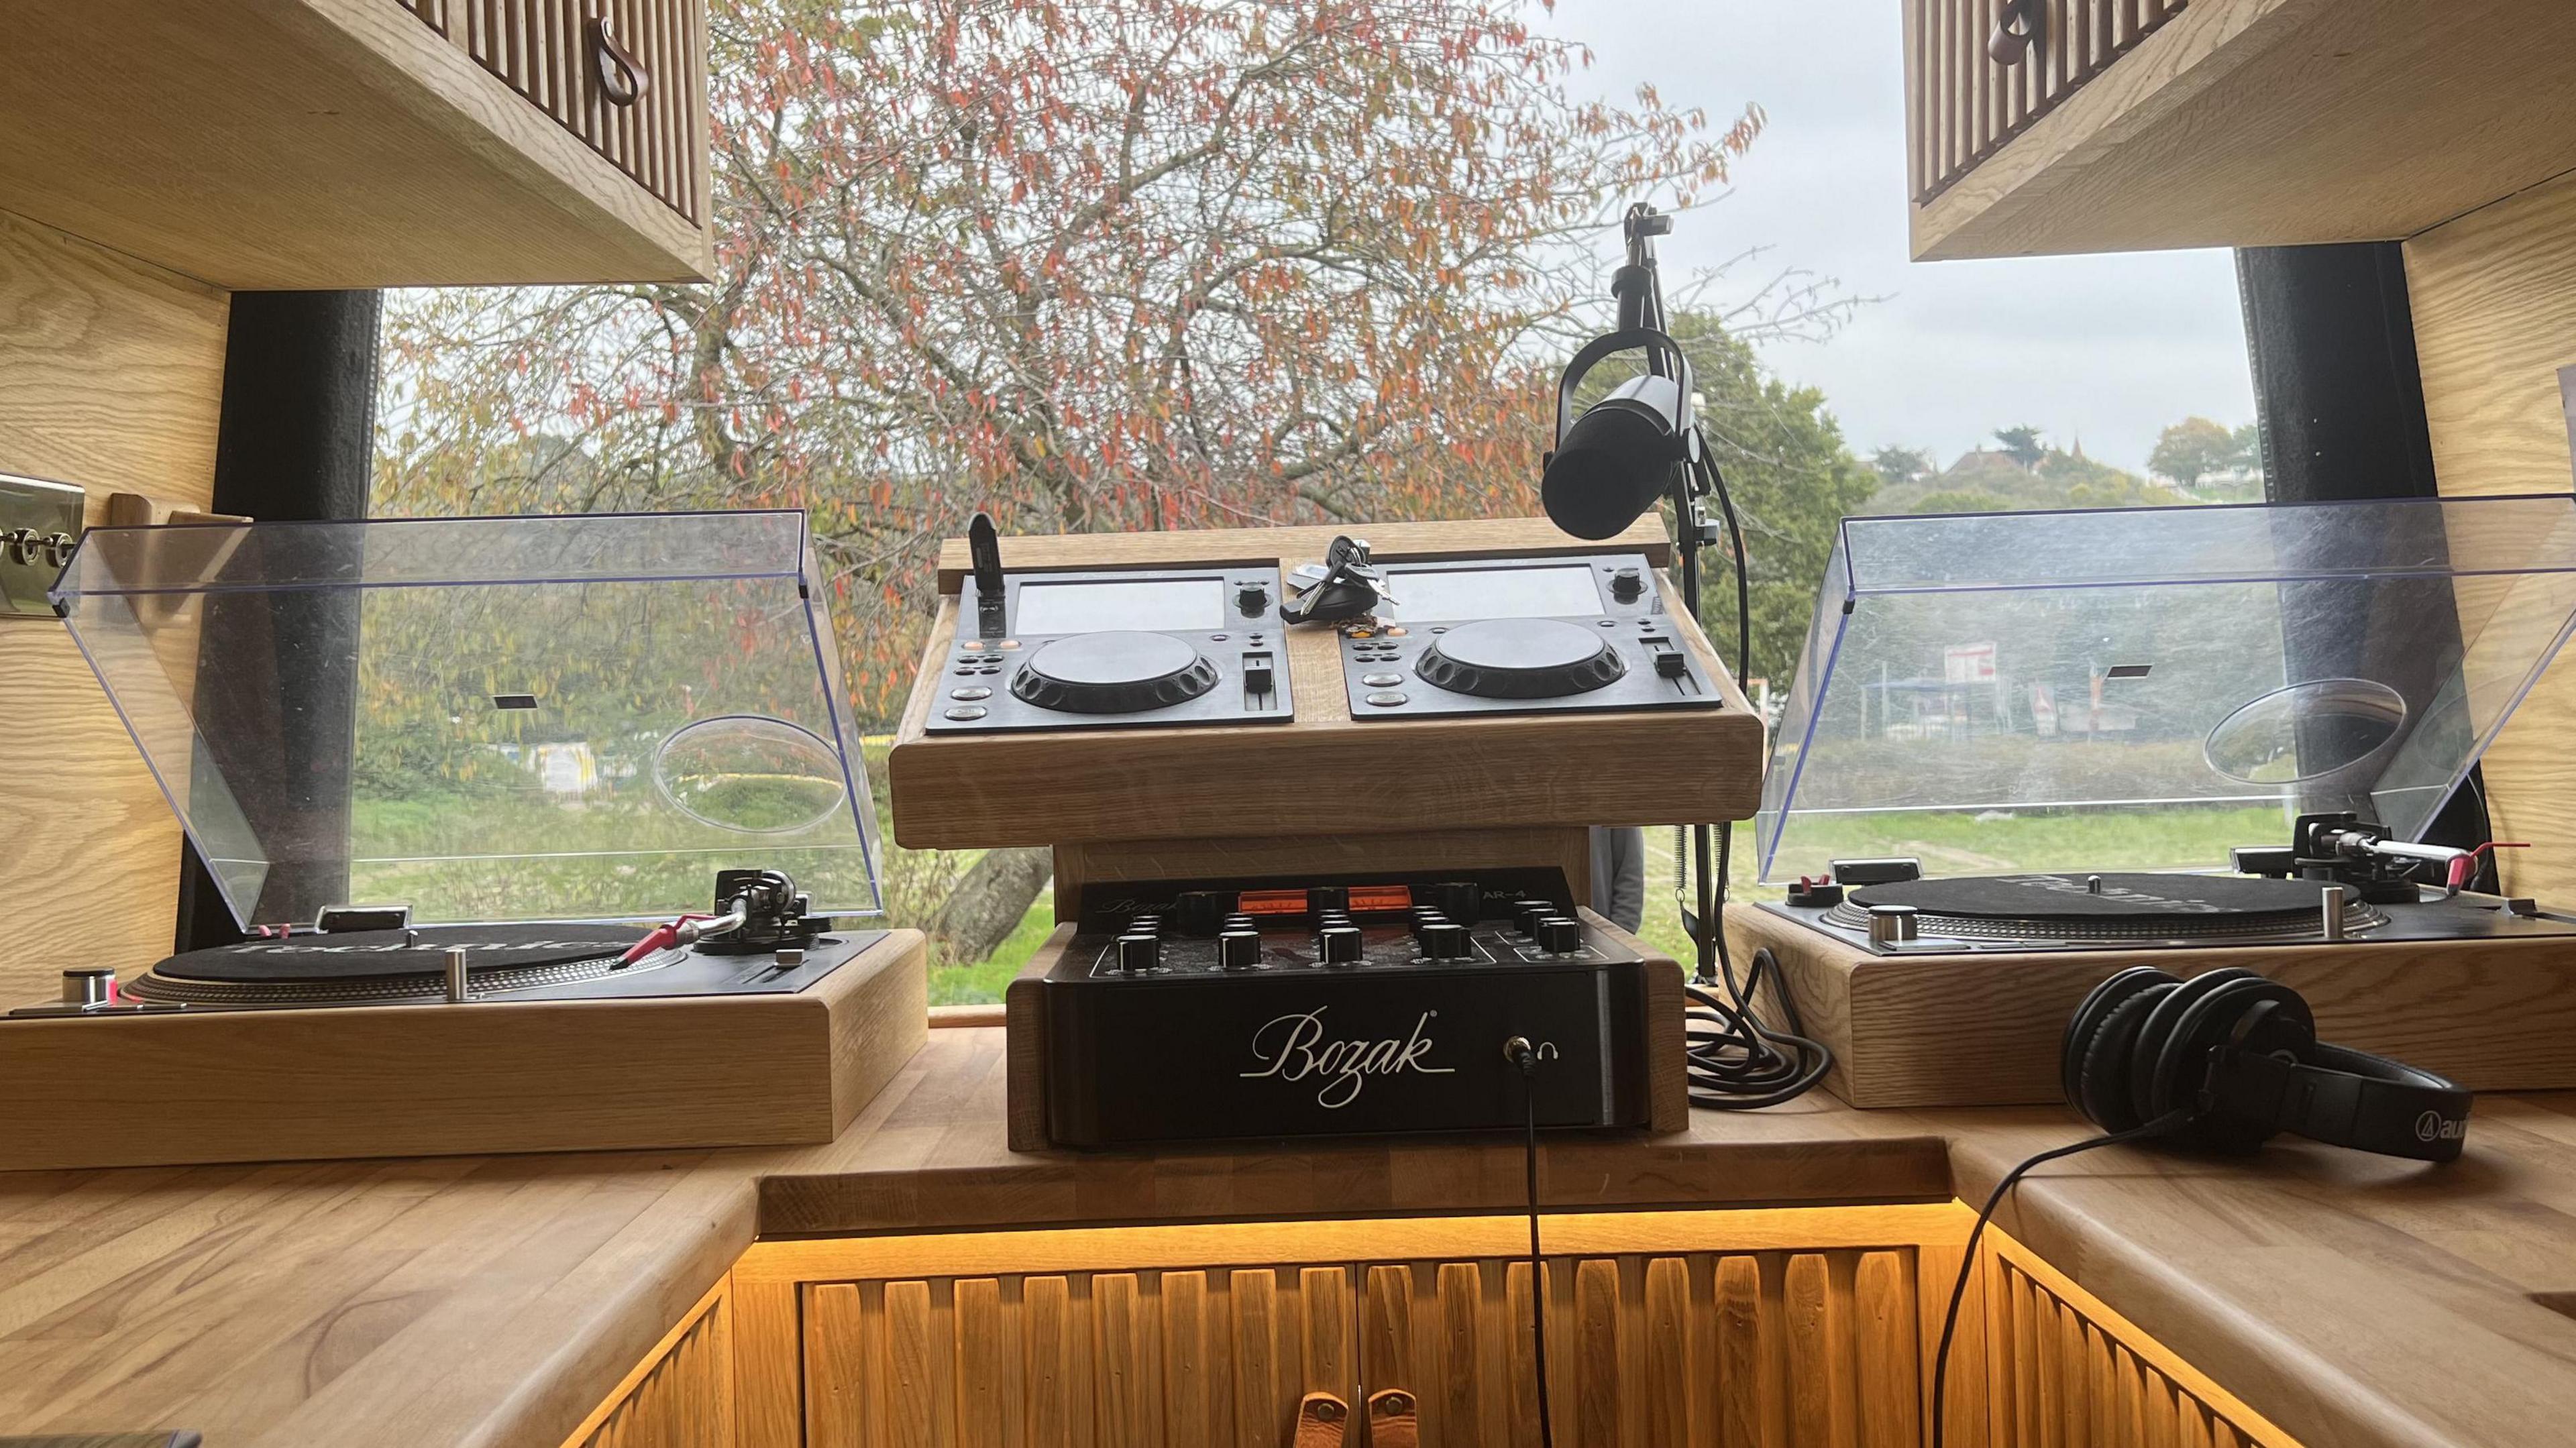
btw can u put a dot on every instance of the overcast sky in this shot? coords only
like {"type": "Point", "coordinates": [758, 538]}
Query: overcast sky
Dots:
{"type": "Point", "coordinates": [2105, 349]}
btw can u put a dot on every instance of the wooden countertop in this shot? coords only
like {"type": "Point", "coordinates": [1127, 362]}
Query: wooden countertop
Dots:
{"type": "Point", "coordinates": [494, 1301]}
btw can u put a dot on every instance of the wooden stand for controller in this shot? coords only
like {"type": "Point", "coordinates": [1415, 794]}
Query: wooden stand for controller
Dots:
{"type": "Point", "coordinates": [437, 1080]}
{"type": "Point", "coordinates": [1985, 1029]}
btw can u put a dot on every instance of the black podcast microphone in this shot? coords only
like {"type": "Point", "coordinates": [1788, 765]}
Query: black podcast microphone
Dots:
{"type": "Point", "coordinates": [1611, 465]}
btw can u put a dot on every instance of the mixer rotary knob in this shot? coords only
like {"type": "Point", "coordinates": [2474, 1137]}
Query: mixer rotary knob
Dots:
{"type": "Point", "coordinates": [1238, 949]}
{"type": "Point", "coordinates": [1444, 940]}
{"type": "Point", "coordinates": [1338, 944]}
{"type": "Point", "coordinates": [1528, 913]}
{"type": "Point", "coordinates": [1560, 936]}
{"type": "Point", "coordinates": [1139, 952]}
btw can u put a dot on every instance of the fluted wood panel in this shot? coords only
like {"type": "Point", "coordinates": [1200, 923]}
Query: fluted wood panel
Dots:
{"type": "Point", "coordinates": [433, 13]}
{"type": "Point", "coordinates": [684, 1398]}
{"type": "Point", "coordinates": [1754, 1349]}
{"type": "Point", "coordinates": [1966, 104]}
{"type": "Point", "coordinates": [542, 48]}
{"type": "Point", "coordinates": [1147, 1359]}
{"type": "Point", "coordinates": [2062, 1379]}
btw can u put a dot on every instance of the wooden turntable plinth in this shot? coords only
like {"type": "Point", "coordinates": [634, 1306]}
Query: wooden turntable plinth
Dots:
{"type": "Point", "coordinates": [1984, 1029]}
{"type": "Point", "coordinates": [438, 1080]}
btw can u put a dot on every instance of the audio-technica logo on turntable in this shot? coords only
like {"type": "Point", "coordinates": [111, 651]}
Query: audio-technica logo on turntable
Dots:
{"type": "Point", "coordinates": [1294, 1048]}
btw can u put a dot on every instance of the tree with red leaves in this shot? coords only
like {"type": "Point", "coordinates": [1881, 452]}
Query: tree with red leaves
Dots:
{"type": "Point", "coordinates": [1086, 264]}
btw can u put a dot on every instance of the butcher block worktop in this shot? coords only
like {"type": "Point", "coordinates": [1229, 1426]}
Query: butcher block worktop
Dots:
{"type": "Point", "coordinates": [495, 1301]}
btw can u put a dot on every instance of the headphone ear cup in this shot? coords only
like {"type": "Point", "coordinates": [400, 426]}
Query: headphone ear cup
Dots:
{"type": "Point", "coordinates": [2103, 1080]}
{"type": "Point", "coordinates": [2099, 1094]}
{"type": "Point", "coordinates": [2170, 1061]}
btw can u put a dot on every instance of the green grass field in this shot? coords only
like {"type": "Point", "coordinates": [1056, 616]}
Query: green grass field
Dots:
{"type": "Point", "coordinates": [621, 852]}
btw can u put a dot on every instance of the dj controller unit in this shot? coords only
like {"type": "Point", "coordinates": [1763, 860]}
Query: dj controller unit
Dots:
{"type": "Point", "coordinates": [1153, 687]}
{"type": "Point", "coordinates": [1206, 1010]}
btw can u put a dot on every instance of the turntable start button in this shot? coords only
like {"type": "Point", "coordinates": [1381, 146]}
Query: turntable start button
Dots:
{"type": "Point", "coordinates": [1386, 700]}
{"type": "Point", "coordinates": [964, 712]}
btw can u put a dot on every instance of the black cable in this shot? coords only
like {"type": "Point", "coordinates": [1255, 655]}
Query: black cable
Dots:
{"type": "Point", "coordinates": [1735, 1062]}
{"type": "Point", "coordinates": [1968, 1259]}
{"type": "Point", "coordinates": [1526, 1057]}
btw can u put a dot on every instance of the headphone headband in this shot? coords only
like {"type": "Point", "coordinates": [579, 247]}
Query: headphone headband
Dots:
{"type": "Point", "coordinates": [2345, 1097]}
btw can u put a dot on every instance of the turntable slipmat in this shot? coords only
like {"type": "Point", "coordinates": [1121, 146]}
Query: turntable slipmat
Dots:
{"type": "Point", "coordinates": [371, 965]}
{"type": "Point", "coordinates": [2128, 906]}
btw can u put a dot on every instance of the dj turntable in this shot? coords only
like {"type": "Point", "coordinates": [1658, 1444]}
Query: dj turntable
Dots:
{"type": "Point", "coordinates": [1520, 635]}
{"type": "Point", "coordinates": [604, 766]}
{"type": "Point", "coordinates": [2025, 751]}
{"type": "Point", "coordinates": [759, 941]}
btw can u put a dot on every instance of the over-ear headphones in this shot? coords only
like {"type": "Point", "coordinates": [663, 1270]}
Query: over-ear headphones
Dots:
{"type": "Point", "coordinates": [2222, 1061]}
{"type": "Point", "coordinates": [2235, 1058]}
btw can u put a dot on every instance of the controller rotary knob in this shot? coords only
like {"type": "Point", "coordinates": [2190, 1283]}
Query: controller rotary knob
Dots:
{"type": "Point", "coordinates": [1627, 585]}
{"type": "Point", "coordinates": [1520, 658]}
{"type": "Point", "coordinates": [1560, 936]}
{"type": "Point", "coordinates": [1338, 944]}
{"type": "Point", "coordinates": [1118, 672]}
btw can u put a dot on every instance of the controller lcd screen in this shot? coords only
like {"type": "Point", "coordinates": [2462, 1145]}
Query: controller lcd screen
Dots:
{"type": "Point", "coordinates": [1469, 593]}
{"type": "Point", "coordinates": [1092, 606]}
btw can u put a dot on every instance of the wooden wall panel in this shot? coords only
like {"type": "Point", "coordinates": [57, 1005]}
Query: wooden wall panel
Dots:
{"type": "Point", "coordinates": [1752, 1348]}
{"type": "Point", "coordinates": [2494, 297]}
{"type": "Point", "coordinates": [1177, 1357]}
{"type": "Point", "coordinates": [111, 376]}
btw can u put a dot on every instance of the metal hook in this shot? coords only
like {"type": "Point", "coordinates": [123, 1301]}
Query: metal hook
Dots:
{"type": "Point", "coordinates": [2016, 31]}
{"type": "Point", "coordinates": [622, 82]}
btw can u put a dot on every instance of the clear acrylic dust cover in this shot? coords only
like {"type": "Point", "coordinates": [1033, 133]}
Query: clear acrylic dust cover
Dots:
{"type": "Point", "coordinates": [486, 719]}
{"type": "Point", "coordinates": [2144, 688]}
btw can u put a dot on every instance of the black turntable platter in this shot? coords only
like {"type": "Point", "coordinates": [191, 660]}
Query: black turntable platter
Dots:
{"type": "Point", "coordinates": [380, 965]}
{"type": "Point", "coordinates": [1520, 658]}
{"type": "Point", "coordinates": [1116, 672]}
{"type": "Point", "coordinates": [2106, 906]}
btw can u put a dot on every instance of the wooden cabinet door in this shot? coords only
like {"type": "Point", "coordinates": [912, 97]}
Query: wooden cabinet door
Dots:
{"type": "Point", "coordinates": [1752, 1348]}
{"type": "Point", "coordinates": [1165, 1358]}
